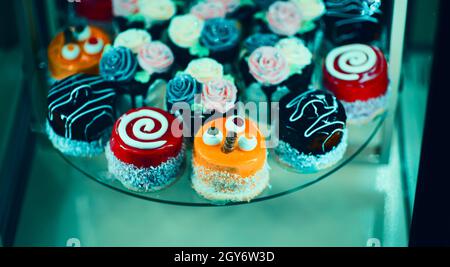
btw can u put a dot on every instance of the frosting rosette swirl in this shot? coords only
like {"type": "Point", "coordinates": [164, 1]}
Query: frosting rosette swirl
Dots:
{"type": "Point", "coordinates": [230, 5]}
{"type": "Point", "coordinates": [155, 57]}
{"type": "Point", "coordinates": [185, 30]}
{"type": "Point", "coordinates": [219, 34]}
{"type": "Point", "coordinates": [118, 64]}
{"type": "Point", "coordinates": [310, 9]}
{"type": "Point", "coordinates": [295, 52]}
{"type": "Point", "coordinates": [182, 88]}
{"type": "Point", "coordinates": [284, 18]}
{"type": "Point", "coordinates": [132, 39]}
{"type": "Point", "coordinates": [268, 66]}
{"type": "Point", "coordinates": [205, 69]}
{"type": "Point", "coordinates": [219, 95]}
{"type": "Point", "coordinates": [125, 7]}
{"type": "Point", "coordinates": [160, 10]}
{"type": "Point", "coordinates": [260, 39]}
{"type": "Point", "coordinates": [208, 10]}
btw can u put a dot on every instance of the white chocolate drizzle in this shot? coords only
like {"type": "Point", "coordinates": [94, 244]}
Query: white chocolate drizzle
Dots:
{"type": "Point", "coordinates": [353, 60]}
{"type": "Point", "coordinates": [142, 129]}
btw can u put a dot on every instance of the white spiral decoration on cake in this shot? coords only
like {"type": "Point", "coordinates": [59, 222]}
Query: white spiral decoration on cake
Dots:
{"type": "Point", "coordinates": [143, 129]}
{"type": "Point", "coordinates": [352, 60]}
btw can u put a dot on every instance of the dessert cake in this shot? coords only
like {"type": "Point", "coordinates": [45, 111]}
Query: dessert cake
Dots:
{"type": "Point", "coordinates": [358, 75]}
{"type": "Point", "coordinates": [230, 160]}
{"type": "Point", "coordinates": [145, 152]}
{"type": "Point", "coordinates": [76, 50]}
{"type": "Point", "coordinates": [80, 114]}
{"type": "Point", "coordinates": [312, 133]}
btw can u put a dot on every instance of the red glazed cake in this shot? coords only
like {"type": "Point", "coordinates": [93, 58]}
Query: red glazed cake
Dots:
{"type": "Point", "coordinates": [145, 152]}
{"type": "Point", "coordinates": [358, 75]}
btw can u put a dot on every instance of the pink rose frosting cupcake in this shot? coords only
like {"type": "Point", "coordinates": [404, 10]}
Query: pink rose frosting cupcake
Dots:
{"type": "Point", "coordinates": [230, 5]}
{"type": "Point", "coordinates": [268, 66]}
{"type": "Point", "coordinates": [209, 10]}
{"type": "Point", "coordinates": [284, 18]}
{"type": "Point", "coordinates": [155, 57]}
{"type": "Point", "coordinates": [219, 95]}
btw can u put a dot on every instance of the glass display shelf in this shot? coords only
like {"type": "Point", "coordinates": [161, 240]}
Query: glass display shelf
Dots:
{"type": "Point", "coordinates": [283, 181]}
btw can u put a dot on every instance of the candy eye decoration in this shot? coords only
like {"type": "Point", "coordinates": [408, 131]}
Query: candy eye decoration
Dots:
{"type": "Point", "coordinates": [70, 51]}
{"type": "Point", "coordinates": [82, 34]}
{"type": "Point", "coordinates": [247, 144]}
{"type": "Point", "coordinates": [212, 137]}
{"type": "Point", "coordinates": [93, 46]}
{"type": "Point", "coordinates": [235, 124]}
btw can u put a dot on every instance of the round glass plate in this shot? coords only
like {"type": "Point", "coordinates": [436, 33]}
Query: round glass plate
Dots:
{"type": "Point", "coordinates": [283, 181]}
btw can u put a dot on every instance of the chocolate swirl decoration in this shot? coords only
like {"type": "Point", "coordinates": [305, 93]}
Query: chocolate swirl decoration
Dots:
{"type": "Point", "coordinates": [219, 34]}
{"type": "Point", "coordinates": [80, 107]}
{"type": "Point", "coordinates": [312, 122]}
{"type": "Point", "coordinates": [182, 88]}
{"type": "Point", "coordinates": [257, 40]}
{"type": "Point", "coordinates": [350, 61]}
{"type": "Point", "coordinates": [143, 129]}
{"type": "Point", "coordinates": [118, 64]}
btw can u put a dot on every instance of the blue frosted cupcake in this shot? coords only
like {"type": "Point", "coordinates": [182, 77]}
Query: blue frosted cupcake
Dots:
{"type": "Point", "coordinates": [221, 38]}
{"type": "Point", "coordinates": [137, 75]}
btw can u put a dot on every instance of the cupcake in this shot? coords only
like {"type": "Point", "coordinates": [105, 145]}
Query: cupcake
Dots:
{"type": "Point", "coordinates": [229, 160]}
{"type": "Point", "coordinates": [353, 21]}
{"type": "Point", "coordinates": [287, 64]}
{"type": "Point", "coordinates": [80, 114]}
{"type": "Point", "coordinates": [221, 37]}
{"type": "Point", "coordinates": [208, 10]}
{"type": "Point", "coordinates": [201, 92]}
{"type": "Point", "coordinates": [240, 11]}
{"type": "Point", "coordinates": [184, 38]}
{"type": "Point", "coordinates": [124, 8]}
{"type": "Point", "coordinates": [312, 131]}
{"type": "Point", "coordinates": [151, 16]}
{"type": "Point", "coordinates": [144, 74]}
{"type": "Point", "coordinates": [358, 75]}
{"type": "Point", "coordinates": [157, 15]}
{"type": "Point", "coordinates": [287, 19]}
{"type": "Point", "coordinates": [133, 39]}
{"type": "Point", "coordinates": [76, 50]}
{"type": "Point", "coordinates": [145, 152]}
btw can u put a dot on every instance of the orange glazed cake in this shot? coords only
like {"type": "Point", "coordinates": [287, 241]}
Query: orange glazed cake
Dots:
{"type": "Point", "coordinates": [230, 160]}
{"type": "Point", "coordinates": [78, 49]}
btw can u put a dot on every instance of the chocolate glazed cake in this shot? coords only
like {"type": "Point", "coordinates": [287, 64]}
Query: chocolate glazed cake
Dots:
{"type": "Point", "coordinates": [80, 114]}
{"type": "Point", "coordinates": [353, 21]}
{"type": "Point", "coordinates": [313, 133]}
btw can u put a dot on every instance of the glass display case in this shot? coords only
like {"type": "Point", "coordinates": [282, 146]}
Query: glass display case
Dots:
{"type": "Point", "coordinates": [365, 199]}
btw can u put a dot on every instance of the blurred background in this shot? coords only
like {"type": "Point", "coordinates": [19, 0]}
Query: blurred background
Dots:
{"type": "Point", "coordinates": [46, 202]}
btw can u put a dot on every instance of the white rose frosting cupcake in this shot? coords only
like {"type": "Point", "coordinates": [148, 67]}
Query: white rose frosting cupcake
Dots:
{"type": "Point", "coordinates": [205, 69]}
{"type": "Point", "coordinates": [184, 34]}
{"type": "Point", "coordinates": [133, 39]}
{"type": "Point", "coordinates": [155, 11]}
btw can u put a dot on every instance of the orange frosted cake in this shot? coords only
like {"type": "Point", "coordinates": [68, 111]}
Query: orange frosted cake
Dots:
{"type": "Point", "coordinates": [230, 160]}
{"type": "Point", "coordinates": [78, 49]}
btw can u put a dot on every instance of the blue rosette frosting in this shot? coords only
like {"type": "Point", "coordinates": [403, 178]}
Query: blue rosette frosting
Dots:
{"type": "Point", "coordinates": [182, 88]}
{"type": "Point", "coordinates": [219, 34]}
{"type": "Point", "coordinates": [257, 40]}
{"type": "Point", "coordinates": [118, 64]}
